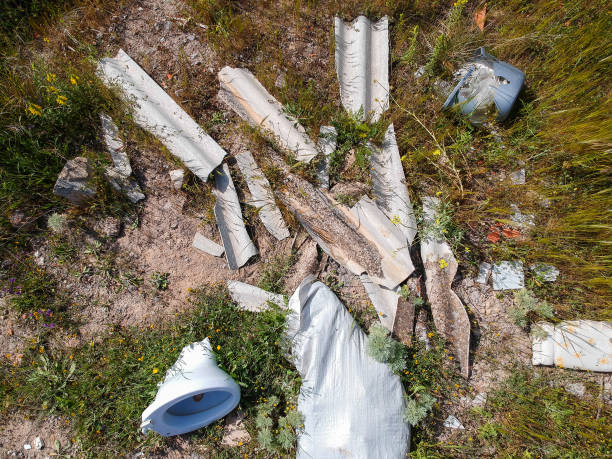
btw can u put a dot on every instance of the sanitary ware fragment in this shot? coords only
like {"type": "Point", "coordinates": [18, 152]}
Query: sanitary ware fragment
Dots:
{"type": "Point", "coordinates": [577, 344]}
{"type": "Point", "coordinates": [352, 405]}
{"type": "Point", "coordinates": [545, 271]}
{"type": "Point", "coordinates": [236, 241]}
{"type": "Point", "coordinates": [449, 314]}
{"type": "Point", "coordinates": [263, 198]}
{"type": "Point", "coordinates": [327, 145]}
{"type": "Point", "coordinates": [251, 298]}
{"type": "Point", "coordinates": [156, 112]}
{"type": "Point", "coordinates": [124, 184]}
{"type": "Point", "coordinates": [486, 85]}
{"type": "Point", "coordinates": [362, 65]}
{"type": "Point", "coordinates": [453, 423]}
{"type": "Point", "coordinates": [384, 301]}
{"type": "Point", "coordinates": [204, 244]}
{"type": "Point", "coordinates": [389, 185]}
{"type": "Point", "coordinates": [484, 272]}
{"type": "Point", "coordinates": [508, 275]}
{"type": "Point", "coordinates": [253, 103]}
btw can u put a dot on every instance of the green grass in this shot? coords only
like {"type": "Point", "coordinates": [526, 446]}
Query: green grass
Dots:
{"type": "Point", "coordinates": [102, 387]}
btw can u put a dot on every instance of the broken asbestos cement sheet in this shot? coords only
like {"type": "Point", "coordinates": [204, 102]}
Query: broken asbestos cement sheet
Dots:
{"type": "Point", "coordinates": [362, 65]}
{"type": "Point", "coordinates": [450, 318]}
{"type": "Point", "coordinates": [155, 111]}
{"type": "Point", "coordinates": [263, 198]}
{"type": "Point", "coordinates": [334, 228]}
{"type": "Point", "coordinates": [118, 175]}
{"type": "Point", "coordinates": [579, 344]}
{"type": "Point", "coordinates": [204, 244]}
{"type": "Point", "coordinates": [352, 405]}
{"type": "Point", "coordinates": [236, 241]}
{"type": "Point", "coordinates": [390, 241]}
{"type": "Point", "coordinates": [253, 103]}
{"type": "Point", "coordinates": [327, 145]}
{"type": "Point", "coordinates": [389, 185]}
{"type": "Point", "coordinates": [251, 298]}
{"type": "Point", "coordinates": [384, 301]}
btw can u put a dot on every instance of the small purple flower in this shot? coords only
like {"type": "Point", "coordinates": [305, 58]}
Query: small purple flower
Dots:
{"type": "Point", "coordinates": [47, 312]}
{"type": "Point", "coordinates": [12, 280]}
{"type": "Point", "coordinates": [45, 325]}
{"type": "Point", "coordinates": [51, 325]}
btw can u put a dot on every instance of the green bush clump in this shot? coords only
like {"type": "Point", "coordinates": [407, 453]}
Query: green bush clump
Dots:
{"type": "Point", "coordinates": [383, 348]}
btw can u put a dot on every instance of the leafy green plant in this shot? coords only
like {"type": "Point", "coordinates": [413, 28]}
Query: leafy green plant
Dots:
{"type": "Point", "coordinates": [408, 57]}
{"type": "Point", "coordinates": [526, 306]}
{"type": "Point", "coordinates": [383, 348]}
{"type": "Point", "coordinates": [438, 54]}
{"type": "Point", "coordinates": [273, 273]}
{"type": "Point", "coordinates": [160, 280]}
{"type": "Point", "coordinates": [57, 222]}
{"type": "Point", "coordinates": [269, 416]}
{"type": "Point", "coordinates": [443, 227]}
{"type": "Point", "coordinates": [418, 406]}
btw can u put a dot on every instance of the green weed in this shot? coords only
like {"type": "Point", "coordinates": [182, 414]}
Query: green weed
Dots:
{"type": "Point", "coordinates": [273, 273]}
{"type": "Point", "coordinates": [160, 281]}
{"type": "Point", "coordinates": [383, 348]}
{"type": "Point", "coordinates": [526, 307]}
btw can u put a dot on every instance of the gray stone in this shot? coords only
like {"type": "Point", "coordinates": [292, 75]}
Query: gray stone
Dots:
{"type": "Point", "coordinates": [73, 182]}
{"type": "Point", "coordinates": [177, 176]}
{"type": "Point", "coordinates": [508, 275]}
{"type": "Point", "coordinates": [235, 433]}
{"type": "Point", "coordinates": [522, 220]}
{"type": "Point", "coordinates": [518, 177]}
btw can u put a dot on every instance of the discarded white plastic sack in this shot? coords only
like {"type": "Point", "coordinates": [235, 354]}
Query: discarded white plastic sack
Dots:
{"type": "Point", "coordinates": [352, 405]}
{"type": "Point", "coordinates": [578, 344]}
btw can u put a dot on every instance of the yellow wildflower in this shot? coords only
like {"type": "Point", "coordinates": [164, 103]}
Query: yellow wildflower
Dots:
{"type": "Point", "coordinates": [155, 371]}
{"type": "Point", "coordinates": [443, 263]}
{"type": "Point", "coordinates": [218, 348]}
{"type": "Point", "coordinates": [52, 89]}
{"type": "Point", "coordinates": [396, 220]}
{"type": "Point", "coordinates": [439, 193]}
{"type": "Point", "coordinates": [61, 100]}
{"type": "Point", "coordinates": [34, 109]}
{"type": "Point", "coordinates": [436, 152]}
{"type": "Point", "coordinates": [51, 77]}
{"type": "Point", "coordinates": [74, 80]}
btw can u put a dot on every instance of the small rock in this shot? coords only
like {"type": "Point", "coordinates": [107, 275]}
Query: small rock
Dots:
{"type": "Point", "coordinates": [38, 443]}
{"type": "Point", "coordinates": [419, 72]}
{"type": "Point", "coordinates": [508, 275]}
{"type": "Point", "coordinates": [234, 433]}
{"type": "Point", "coordinates": [174, 224]}
{"type": "Point", "coordinates": [27, 447]}
{"type": "Point", "coordinates": [484, 271]}
{"type": "Point", "coordinates": [518, 177]}
{"type": "Point", "coordinates": [453, 423]}
{"type": "Point", "coordinates": [576, 389]}
{"type": "Point", "coordinates": [39, 259]}
{"type": "Point", "coordinates": [109, 227]}
{"type": "Point", "coordinates": [73, 181]}
{"type": "Point", "coordinates": [177, 176]}
{"type": "Point", "coordinates": [545, 271]}
{"type": "Point", "coordinates": [280, 82]}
